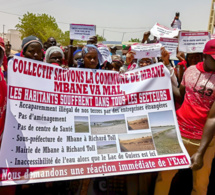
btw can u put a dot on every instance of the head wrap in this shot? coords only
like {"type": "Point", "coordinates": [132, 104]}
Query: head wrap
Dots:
{"type": "Point", "coordinates": [87, 48]}
{"type": "Point", "coordinates": [78, 50]}
{"type": "Point", "coordinates": [51, 50]}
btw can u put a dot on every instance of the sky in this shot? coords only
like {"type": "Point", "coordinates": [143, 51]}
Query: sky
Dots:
{"type": "Point", "coordinates": [161, 118]}
{"type": "Point", "coordinates": [81, 118]}
{"type": "Point", "coordinates": [133, 118]}
{"type": "Point", "coordinates": [103, 118]}
{"type": "Point", "coordinates": [105, 143]}
{"type": "Point", "coordinates": [112, 17]}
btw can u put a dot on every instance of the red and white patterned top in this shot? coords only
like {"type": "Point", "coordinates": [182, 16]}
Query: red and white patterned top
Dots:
{"type": "Point", "coordinates": [199, 97]}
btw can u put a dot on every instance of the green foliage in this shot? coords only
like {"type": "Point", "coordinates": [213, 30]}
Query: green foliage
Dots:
{"type": "Point", "coordinates": [64, 39]}
{"type": "Point", "coordinates": [134, 40]}
{"type": "Point", "coordinates": [100, 38]}
{"type": "Point", "coordinates": [42, 26]}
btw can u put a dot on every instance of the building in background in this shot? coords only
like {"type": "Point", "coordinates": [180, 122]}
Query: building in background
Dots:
{"type": "Point", "coordinates": [14, 37]}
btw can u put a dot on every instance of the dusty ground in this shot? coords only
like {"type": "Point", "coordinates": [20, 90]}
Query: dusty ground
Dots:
{"type": "Point", "coordinates": [139, 144]}
{"type": "Point", "coordinates": [138, 124]}
{"type": "Point", "coordinates": [107, 150]}
{"type": "Point", "coordinates": [114, 129]}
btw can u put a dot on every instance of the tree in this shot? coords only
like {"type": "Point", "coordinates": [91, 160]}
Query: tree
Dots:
{"type": "Point", "coordinates": [135, 40]}
{"type": "Point", "coordinates": [42, 26]}
{"type": "Point", "coordinates": [100, 38]}
{"type": "Point", "coordinates": [64, 39]}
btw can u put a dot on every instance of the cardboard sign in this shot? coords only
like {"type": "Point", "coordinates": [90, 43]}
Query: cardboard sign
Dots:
{"type": "Point", "coordinates": [65, 124]}
{"type": "Point", "coordinates": [146, 50]}
{"type": "Point", "coordinates": [170, 45]}
{"type": "Point", "coordinates": [82, 31]}
{"type": "Point", "coordinates": [159, 30]}
{"type": "Point", "coordinates": [192, 42]}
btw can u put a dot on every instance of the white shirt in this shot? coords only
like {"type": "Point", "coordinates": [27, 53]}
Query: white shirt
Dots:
{"type": "Point", "coordinates": [177, 24]}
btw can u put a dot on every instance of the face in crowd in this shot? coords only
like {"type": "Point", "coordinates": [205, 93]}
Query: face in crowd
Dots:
{"type": "Point", "coordinates": [76, 57]}
{"type": "Point", "coordinates": [34, 51]}
{"type": "Point", "coordinates": [145, 62]}
{"type": "Point", "coordinates": [91, 59]}
{"type": "Point", "coordinates": [56, 57]}
{"type": "Point", "coordinates": [51, 42]}
{"type": "Point", "coordinates": [194, 58]}
{"type": "Point", "coordinates": [45, 46]}
{"type": "Point", "coordinates": [209, 63]}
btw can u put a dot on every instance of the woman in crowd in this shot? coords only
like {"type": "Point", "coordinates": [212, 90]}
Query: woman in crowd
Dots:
{"type": "Point", "coordinates": [32, 48]}
{"type": "Point", "coordinates": [145, 62]}
{"type": "Point", "coordinates": [91, 58]}
{"type": "Point", "coordinates": [54, 55]}
{"type": "Point", "coordinates": [116, 64]}
{"type": "Point", "coordinates": [77, 55]}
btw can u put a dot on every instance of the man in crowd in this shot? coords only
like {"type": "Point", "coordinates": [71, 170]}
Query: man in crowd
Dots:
{"type": "Point", "coordinates": [176, 23]}
{"type": "Point", "coordinates": [196, 119]}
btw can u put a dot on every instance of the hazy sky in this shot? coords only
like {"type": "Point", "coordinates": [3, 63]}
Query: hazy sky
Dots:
{"type": "Point", "coordinates": [161, 118]}
{"type": "Point", "coordinates": [111, 15]}
{"type": "Point", "coordinates": [105, 143]}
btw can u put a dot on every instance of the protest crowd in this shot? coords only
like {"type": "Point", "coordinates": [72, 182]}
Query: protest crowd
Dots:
{"type": "Point", "coordinates": [193, 84]}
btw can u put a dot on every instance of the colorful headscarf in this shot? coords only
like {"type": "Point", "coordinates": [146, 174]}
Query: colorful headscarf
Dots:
{"type": "Point", "coordinates": [78, 50]}
{"type": "Point", "coordinates": [87, 48]}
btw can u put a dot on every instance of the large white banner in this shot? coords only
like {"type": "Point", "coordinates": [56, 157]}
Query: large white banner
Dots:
{"type": "Point", "coordinates": [80, 123]}
{"type": "Point", "coordinates": [82, 31]}
{"type": "Point", "coordinates": [159, 30]}
{"type": "Point", "coordinates": [192, 42]}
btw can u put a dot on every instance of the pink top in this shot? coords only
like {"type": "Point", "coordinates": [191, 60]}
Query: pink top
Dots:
{"type": "Point", "coordinates": [199, 97]}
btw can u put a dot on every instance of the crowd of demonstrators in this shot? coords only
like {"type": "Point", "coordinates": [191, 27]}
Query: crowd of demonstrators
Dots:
{"type": "Point", "coordinates": [193, 87]}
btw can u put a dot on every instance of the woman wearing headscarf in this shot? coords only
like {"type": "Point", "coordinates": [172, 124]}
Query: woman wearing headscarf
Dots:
{"type": "Point", "coordinates": [77, 55]}
{"type": "Point", "coordinates": [54, 55]}
{"type": "Point", "coordinates": [91, 57]}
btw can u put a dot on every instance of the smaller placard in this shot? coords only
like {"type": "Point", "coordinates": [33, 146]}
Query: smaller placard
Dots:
{"type": "Point", "coordinates": [147, 50]}
{"type": "Point", "coordinates": [170, 45]}
{"type": "Point", "coordinates": [193, 42]}
{"type": "Point", "coordinates": [159, 30]}
{"type": "Point", "coordinates": [82, 31]}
